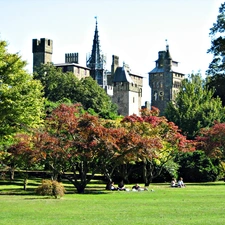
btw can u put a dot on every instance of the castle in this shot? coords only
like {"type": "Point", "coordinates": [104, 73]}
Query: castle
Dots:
{"type": "Point", "coordinates": [121, 84]}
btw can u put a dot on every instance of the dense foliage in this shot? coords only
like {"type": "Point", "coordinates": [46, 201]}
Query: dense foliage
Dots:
{"type": "Point", "coordinates": [21, 98]}
{"type": "Point", "coordinates": [198, 167]}
{"type": "Point", "coordinates": [77, 145]}
{"type": "Point", "coordinates": [216, 79]}
{"type": "Point", "coordinates": [59, 86]}
{"type": "Point", "coordinates": [195, 107]}
{"type": "Point", "coordinates": [212, 141]}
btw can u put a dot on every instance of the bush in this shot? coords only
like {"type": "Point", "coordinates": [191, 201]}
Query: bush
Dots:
{"type": "Point", "coordinates": [50, 188]}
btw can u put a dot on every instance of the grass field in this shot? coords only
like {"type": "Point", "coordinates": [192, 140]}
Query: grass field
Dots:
{"type": "Point", "coordinates": [196, 204]}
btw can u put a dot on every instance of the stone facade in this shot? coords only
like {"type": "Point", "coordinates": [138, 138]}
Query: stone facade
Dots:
{"type": "Point", "coordinates": [127, 88]}
{"type": "Point", "coordinates": [164, 80]}
{"type": "Point", "coordinates": [78, 70]}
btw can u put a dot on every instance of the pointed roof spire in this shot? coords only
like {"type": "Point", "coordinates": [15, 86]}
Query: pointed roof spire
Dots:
{"type": "Point", "coordinates": [95, 61]}
{"type": "Point", "coordinates": [96, 20]}
{"type": "Point", "coordinates": [167, 56]}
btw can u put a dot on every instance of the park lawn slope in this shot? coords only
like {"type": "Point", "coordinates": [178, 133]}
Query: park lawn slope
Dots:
{"type": "Point", "coordinates": [195, 204]}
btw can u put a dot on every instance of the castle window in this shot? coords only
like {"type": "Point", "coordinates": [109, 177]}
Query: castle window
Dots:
{"type": "Point", "coordinates": [140, 92]}
{"type": "Point", "coordinates": [118, 100]}
{"type": "Point", "coordinates": [49, 42]}
{"type": "Point", "coordinates": [133, 99]}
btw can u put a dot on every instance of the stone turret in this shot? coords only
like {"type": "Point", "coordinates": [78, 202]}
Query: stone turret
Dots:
{"type": "Point", "coordinates": [42, 51]}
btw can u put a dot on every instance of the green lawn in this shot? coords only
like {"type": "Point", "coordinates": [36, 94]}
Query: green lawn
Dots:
{"type": "Point", "coordinates": [195, 204]}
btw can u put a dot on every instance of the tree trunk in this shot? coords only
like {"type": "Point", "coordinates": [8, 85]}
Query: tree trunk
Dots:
{"type": "Point", "coordinates": [12, 173]}
{"type": "Point", "coordinates": [147, 175]}
{"type": "Point", "coordinates": [25, 181]}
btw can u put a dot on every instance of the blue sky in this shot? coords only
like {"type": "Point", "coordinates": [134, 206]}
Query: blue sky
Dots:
{"type": "Point", "coordinates": [135, 30]}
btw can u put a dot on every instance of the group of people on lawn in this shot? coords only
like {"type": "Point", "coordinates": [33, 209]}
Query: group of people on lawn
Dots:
{"type": "Point", "coordinates": [121, 187]}
{"type": "Point", "coordinates": [179, 184]}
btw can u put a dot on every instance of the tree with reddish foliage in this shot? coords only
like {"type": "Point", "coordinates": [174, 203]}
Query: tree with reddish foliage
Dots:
{"type": "Point", "coordinates": [212, 141]}
{"type": "Point", "coordinates": [157, 141]}
{"type": "Point", "coordinates": [77, 142]}
{"type": "Point", "coordinates": [19, 156]}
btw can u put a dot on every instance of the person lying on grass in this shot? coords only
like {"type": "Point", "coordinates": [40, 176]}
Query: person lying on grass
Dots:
{"type": "Point", "coordinates": [138, 188]}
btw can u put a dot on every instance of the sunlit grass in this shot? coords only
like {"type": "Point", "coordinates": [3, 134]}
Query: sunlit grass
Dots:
{"type": "Point", "coordinates": [195, 204]}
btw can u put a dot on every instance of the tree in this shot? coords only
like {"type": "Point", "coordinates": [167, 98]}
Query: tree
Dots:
{"type": "Point", "coordinates": [92, 96]}
{"type": "Point", "coordinates": [59, 85]}
{"type": "Point", "coordinates": [76, 142]}
{"type": "Point", "coordinates": [217, 66]}
{"type": "Point", "coordinates": [198, 167]}
{"type": "Point", "coordinates": [20, 156]}
{"type": "Point", "coordinates": [157, 142]}
{"type": "Point", "coordinates": [212, 141]}
{"type": "Point", "coordinates": [194, 107]}
{"type": "Point", "coordinates": [21, 97]}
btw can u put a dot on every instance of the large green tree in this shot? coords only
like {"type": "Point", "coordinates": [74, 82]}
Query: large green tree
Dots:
{"type": "Point", "coordinates": [194, 107]}
{"type": "Point", "coordinates": [21, 97]}
{"type": "Point", "coordinates": [216, 71]}
{"type": "Point", "coordinates": [59, 85]}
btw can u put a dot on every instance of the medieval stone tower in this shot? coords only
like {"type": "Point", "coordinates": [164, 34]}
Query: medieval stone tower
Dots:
{"type": "Point", "coordinates": [164, 80]}
{"type": "Point", "coordinates": [127, 88]}
{"type": "Point", "coordinates": [42, 51]}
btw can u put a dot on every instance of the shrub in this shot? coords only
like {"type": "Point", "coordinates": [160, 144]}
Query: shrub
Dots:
{"type": "Point", "coordinates": [50, 188]}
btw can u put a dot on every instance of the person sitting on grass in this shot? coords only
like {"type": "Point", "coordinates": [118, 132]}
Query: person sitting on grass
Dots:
{"type": "Point", "coordinates": [121, 187]}
{"type": "Point", "coordinates": [173, 183]}
{"type": "Point", "coordinates": [113, 188]}
{"type": "Point", "coordinates": [180, 183]}
{"type": "Point", "coordinates": [110, 186]}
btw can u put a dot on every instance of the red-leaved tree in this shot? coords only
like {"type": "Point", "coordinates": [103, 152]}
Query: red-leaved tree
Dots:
{"type": "Point", "coordinates": [212, 141]}
{"type": "Point", "coordinates": [158, 141]}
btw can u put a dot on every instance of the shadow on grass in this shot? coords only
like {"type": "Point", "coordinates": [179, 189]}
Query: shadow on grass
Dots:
{"type": "Point", "coordinates": [16, 192]}
{"type": "Point", "coordinates": [206, 184]}
{"type": "Point", "coordinates": [42, 197]}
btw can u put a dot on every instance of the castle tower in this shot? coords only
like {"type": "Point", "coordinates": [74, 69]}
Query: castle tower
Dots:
{"type": "Point", "coordinates": [115, 64]}
{"type": "Point", "coordinates": [42, 51]}
{"type": "Point", "coordinates": [127, 88]}
{"type": "Point", "coordinates": [164, 80]}
{"type": "Point", "coordinates": [96, 61]}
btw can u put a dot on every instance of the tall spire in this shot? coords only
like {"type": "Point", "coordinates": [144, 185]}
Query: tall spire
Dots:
{"type": "Point", "coordinates": [167, 56]}
{"type": "Point", "coordinates": [95, 61]}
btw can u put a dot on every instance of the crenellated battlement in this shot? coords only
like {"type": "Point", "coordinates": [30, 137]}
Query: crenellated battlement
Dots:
{"type": "Point", "coordinates": [43, 45]}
